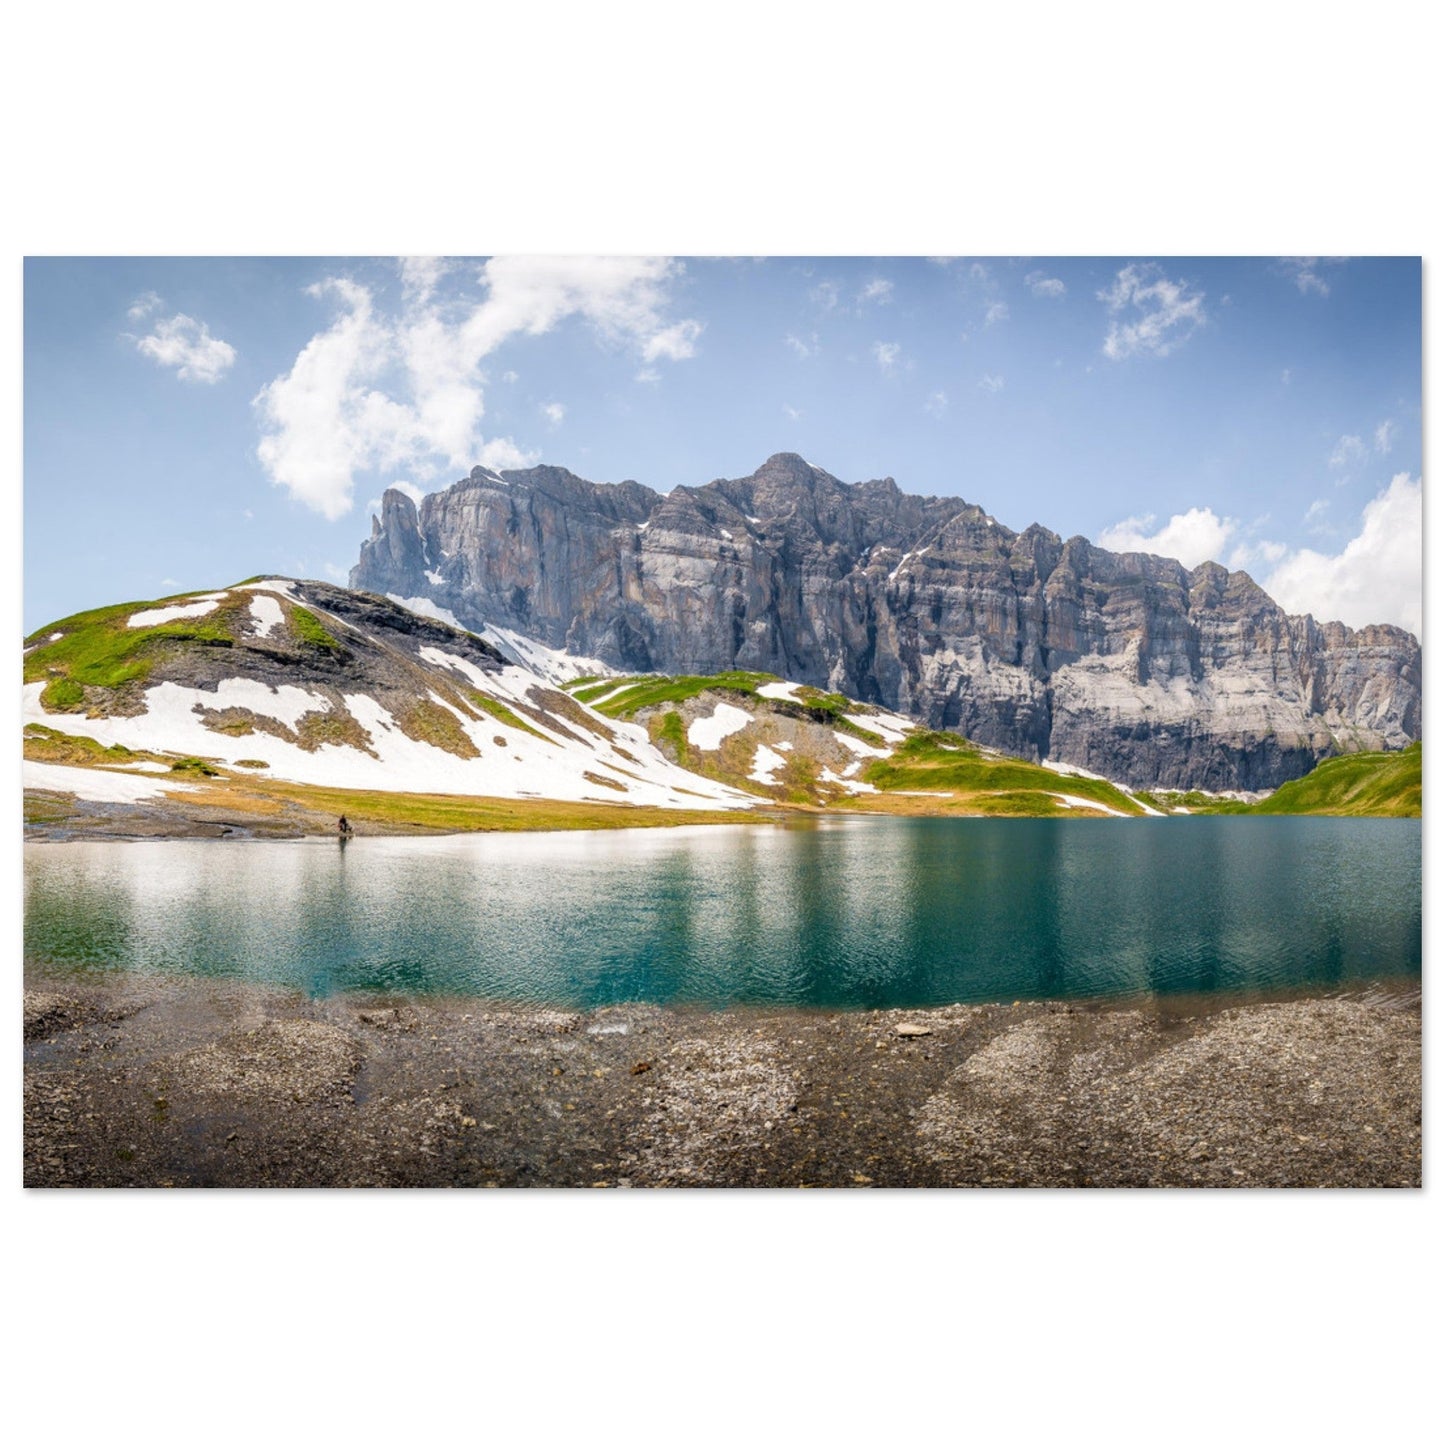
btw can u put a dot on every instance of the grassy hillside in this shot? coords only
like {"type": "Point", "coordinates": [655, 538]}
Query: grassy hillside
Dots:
{"type": "Point", "coordinates": [1358, 785]}
{"type": "Point", "coordinates": [980, 782]}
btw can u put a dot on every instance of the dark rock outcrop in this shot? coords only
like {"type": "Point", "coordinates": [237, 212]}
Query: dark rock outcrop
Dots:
{"type": "Point", "coordinates": [1130, 665]}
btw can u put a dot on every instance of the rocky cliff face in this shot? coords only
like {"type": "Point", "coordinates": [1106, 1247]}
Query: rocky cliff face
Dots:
{"type": "Point", "coordinates": [1130, 665]}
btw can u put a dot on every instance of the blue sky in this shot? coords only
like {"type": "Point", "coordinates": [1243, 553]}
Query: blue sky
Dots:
{"type": "Point", "coordinates": [189, 422]}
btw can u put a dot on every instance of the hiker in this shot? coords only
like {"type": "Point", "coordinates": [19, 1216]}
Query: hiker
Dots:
{"type": "Point", "coordinates": [343, 828]}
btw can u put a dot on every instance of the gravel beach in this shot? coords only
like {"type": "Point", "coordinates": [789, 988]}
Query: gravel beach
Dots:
{"type": "Point", "coordinates": [141, 1082]}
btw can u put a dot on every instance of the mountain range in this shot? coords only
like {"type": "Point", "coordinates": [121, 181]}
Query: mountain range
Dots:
{"type": "Point", "coordinates": [1128, 665]}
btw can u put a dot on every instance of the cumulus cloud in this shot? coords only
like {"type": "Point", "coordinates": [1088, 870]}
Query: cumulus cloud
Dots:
{"type": "Point", "coordinates": [990, 384]}
{"type": "Point", "coordinates": [997, 311]}
{"type": "Point", "coordinates": [1376, 578]}
{"type": "Point", "coordinates": [1385, 437]}
{"type": "Point", "coordinates": [800, 348]}
{"type": "Point", "coordinates": [381, 390]}
{"type": "Point", "coordinates": [1150, 314]}
{"type": "Point", "coordinates": [1046, 287]}
{"type": "Point", "coordinates": [877, 290]}
{"type": "Point", "coordinates": [554, 411]}
{"type": "Point", "coordinates": [502, 454]}
{"type": "Point", "coordinates": [886, 354]}
{"type": "Point", "coordinates": [182, 342]}
{"type": "Point", "coordinates": [1192, 537]}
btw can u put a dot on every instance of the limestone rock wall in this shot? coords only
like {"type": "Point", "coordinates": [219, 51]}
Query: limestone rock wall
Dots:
{"type": "Point", "coordinates": [1129, 665]}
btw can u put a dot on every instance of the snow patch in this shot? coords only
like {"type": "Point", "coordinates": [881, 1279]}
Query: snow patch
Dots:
{"type": "Point", "coordinates": [708, 733]}
{"type": "Point", "coordinates": [425, 607]}
{"type": "Point", "coordinates": [766, 764]}
{"type": "Point", "coordinates": [281, 585]}
{"type": "Point", "coordinates": [890, 724]}
{"type": "Point", "coordinates": [435, 578]}
{"type": "Point", "coordinates": [469, 670]}
{"type": "Point", "coordinates": [782, 691]}
{"type": "Point", "coordinates": [96, 785]}
{"type": "Point", "coordinates": [1068, 800]}
{"type": "Point", "coordinates": [154, 616]}
{"type": "Point", "coordinates": [266, 614]}
{"type": "Point", "coordinates": [858, 746]}
{"type": "Point", "coordinates": [847, 784]}
{"type": "Point", "coordinates": [1068, 770]}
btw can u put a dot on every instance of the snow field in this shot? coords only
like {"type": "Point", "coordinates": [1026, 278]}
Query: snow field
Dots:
{"type": "Point", "coordinates": [708, 733]}
{"type": "Point", "coordinates": [96, 785]}
{"type": "Point", "coordinates": [266, 614]}
{"type": "Point", "coordinates": [154, 616]}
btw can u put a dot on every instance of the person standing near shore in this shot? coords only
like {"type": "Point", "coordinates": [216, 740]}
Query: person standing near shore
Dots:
{"type": "Point", "coordinates": [343, 828]}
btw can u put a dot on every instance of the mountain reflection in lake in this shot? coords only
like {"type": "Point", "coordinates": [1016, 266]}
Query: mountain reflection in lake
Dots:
{"type": "Point", "coordinates": [852, 913]}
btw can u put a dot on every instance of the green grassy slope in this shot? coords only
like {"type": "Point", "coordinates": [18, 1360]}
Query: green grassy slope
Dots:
{"type": "Point", "coordinates": [1357, 785]}
{"type": "Point", "coordinates": [944, 762]}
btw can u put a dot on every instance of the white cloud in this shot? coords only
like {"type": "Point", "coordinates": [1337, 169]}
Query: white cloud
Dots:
{"type": "Point", "coordinates": [936, 404]}
{"type": "Point", "coordinates": [877, 290]}
{"type": "Point", "coordinates": [421, 275]}
{"type": "Point", "coordinates": [1304, 272]}
{"type": "Point", "coordinates": [825, 295]}
{"type": "Point", "coordinates": [143, 305]}
{"type": "Point", "coordinates": [800, 348]}
{"type": "Point", "coordinates": [997, 311]}
{"type": "Point", "coordinates": [1048, 287]}
{"type": "Point", "coordinates": [554, 411]}
{"type": "Point", "coordinates": [886, 354]}
{"type": "Point", "coordinates": [503, 454]}
{"type": "Point", "coordinates": [378, 391]}
{"type": "Point", "coordinates": [1349, 451]}
{"type": "Point", "coordinates": [184, 343]}
{"type": "Point", "coordinates": [1158, 315]}
{"type": "Point", "coordinates": [1376, 578]}
{"type": "Point", "coordinates": [991, 384]}
{"type": "Point", "coordinates": [1314, 516]}
{"type": "Point", "coordinates": [1254, 555]}
{"type": "Point", "coordinates": [673, 344]}
{"type": "Point", "coordinates": [1385, 437]}
{"type": "Point", "coordinates": [1192, 537]}
{"type": "Point", "coordinates": [509, 377]}
{"type": "Point", "coordinates": [649, 375]}
{"type": "Point", "coordinates": [792, 413]}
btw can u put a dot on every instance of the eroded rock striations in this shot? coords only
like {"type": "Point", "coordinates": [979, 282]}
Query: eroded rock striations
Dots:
{"type": "Point", "coordinates": [1126, 664]}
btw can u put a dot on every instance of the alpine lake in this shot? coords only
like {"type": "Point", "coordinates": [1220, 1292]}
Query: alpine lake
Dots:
{"type": "Point", "coordinates": [850, 913]}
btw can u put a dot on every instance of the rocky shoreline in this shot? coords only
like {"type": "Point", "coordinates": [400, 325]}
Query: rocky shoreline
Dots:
{"type": "Point", "coordinates": [134, 1081]}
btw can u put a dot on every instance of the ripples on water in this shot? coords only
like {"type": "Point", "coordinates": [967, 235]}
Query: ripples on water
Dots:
{"type": "Point", "coordinates": [864, 912]}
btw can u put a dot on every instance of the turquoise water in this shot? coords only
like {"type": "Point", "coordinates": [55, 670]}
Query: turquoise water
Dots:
{"type": "Point", "coordinates": [862, 912]}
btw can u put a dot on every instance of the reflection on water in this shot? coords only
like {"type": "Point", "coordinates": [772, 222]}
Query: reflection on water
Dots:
{"type": "Point", "coordinates": [865, 912]}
